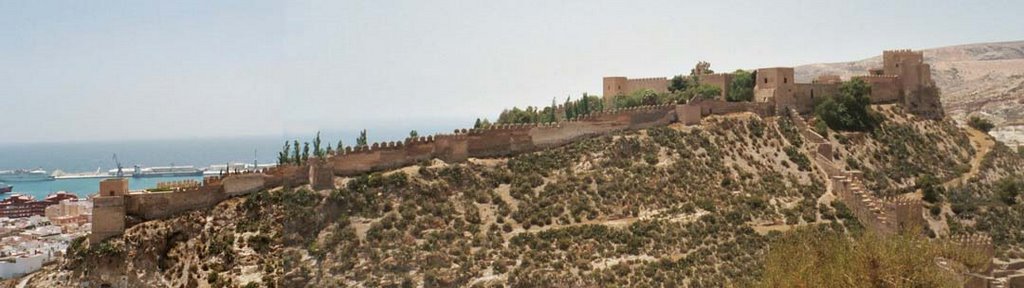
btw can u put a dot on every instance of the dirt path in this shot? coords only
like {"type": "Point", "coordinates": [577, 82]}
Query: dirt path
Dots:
{"type": "Point", "coordinates": [983, 144]}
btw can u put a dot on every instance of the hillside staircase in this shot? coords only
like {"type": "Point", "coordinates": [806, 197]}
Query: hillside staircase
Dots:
{"type": "Point", "coordinates": [885, 215]}
{"type": "Point", "coordinates": [894, 214]}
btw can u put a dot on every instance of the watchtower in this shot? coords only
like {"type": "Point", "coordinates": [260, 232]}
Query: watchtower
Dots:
{"type": "Point", "coordinates": [775, 77]}
{"type": "Point", "coordinates": [614, 86]}
{"type": "Point", "coordinates": [114, 187]}
{"type": "Point", "coordinates": [910, 67]}
{"type": "Point", "coordinates": [776, 85]}
{"type": "Point", "coordinates": [108, 210]}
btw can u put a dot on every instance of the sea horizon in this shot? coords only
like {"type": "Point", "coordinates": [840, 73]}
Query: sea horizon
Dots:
{"type": "Point", "coordinates": [200, 152]}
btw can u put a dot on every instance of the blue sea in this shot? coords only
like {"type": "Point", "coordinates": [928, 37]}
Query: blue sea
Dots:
{"type": "Point", "coordinates": [90, 156]}
{"type": "Point", "coordinates": [201, 153]}
{"type": "Point", "coordinates": [81, 186]}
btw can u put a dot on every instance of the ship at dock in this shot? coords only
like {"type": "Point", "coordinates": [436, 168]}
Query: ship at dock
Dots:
{"type": "Point", "coordinates": [161, 171]}
{"type": "Point", "coordinates": [22, 175]}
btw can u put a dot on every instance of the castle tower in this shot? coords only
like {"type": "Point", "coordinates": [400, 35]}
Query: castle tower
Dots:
{"type": "Point", "coordinates": [910, 67]}
{"type": "Point", "coordinates": [776, 85]}
{"type": "Point", "coordinates": [108, 210]}
{"type": "Point", "coordinates": [114, 187]}
{"type": "Point", "coordinates": [614, 86]}
{"type": "Point", "coordinates": [920, 96]}
{"type": "Point", "coordinates": [321, 176]}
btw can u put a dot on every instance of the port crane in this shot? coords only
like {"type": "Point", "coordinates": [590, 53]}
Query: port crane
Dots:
{"type": "Point", "coordinates": [120, 173]}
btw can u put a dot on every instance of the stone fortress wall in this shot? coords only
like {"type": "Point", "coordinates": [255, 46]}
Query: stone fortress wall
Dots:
{"type": "Point", "coordinates": [114, 201]}
{"type": "Point", "coordinates": [622, 86]}
{"type": "Point", "coordinates": [884, 215]}
{"type": "Point", "coordinates": [617, 85]}
{"type": "Point", "coordinates": [496, 140]}
{"type": "Point", "coordinates": [904, 78]}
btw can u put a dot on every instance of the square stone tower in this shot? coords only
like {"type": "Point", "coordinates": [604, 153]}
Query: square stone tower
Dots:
{"type": "Point", "coordinates": [114, 187]}
{"type": "Point", "coordinates": [920, 96]}
{"type": "Point", "coordinates": [910, 67]}
{"type": "Point", "coordinates": [775, 85]}
{"type": "Point", "coordinates": [321, 175]}
{"type": "Point", "coordinates": [108, 210]}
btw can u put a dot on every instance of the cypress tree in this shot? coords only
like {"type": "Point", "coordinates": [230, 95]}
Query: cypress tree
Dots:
{"type": "Point", "coordinates": [305, 152]}
{"type": "Point", "coordinates": [568, 108]}
{"type": "Point", "coordinates": [316, 146]}
{"type": "Point", "coordinates": [282, 157]}
{"type": "Point", "coordinates": [361, 140]}
{"type": "Point", "coordinates": [585, 106]}
{"type": "Point", "coordinates": [296, 157]}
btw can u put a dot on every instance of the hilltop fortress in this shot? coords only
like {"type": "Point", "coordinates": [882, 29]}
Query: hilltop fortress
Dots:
{"type": "Point", "coordinates": [904, 79]}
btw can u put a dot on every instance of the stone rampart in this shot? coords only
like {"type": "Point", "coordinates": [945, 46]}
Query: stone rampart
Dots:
{"type": "Point", "coordinates": [884, 88]}
{"type": "Point", "coordinates": [500, 140]}
{"type": "Point", "coordinates": [243, 184]}
{"type": "Point", "coordinates": [496, 140]}
{"type": "Point", "coordinates": [719, 107]}
{"type": "Point", "coordinates": [906, 213]}
{"type": "Point", "coordinates": [157, 205]}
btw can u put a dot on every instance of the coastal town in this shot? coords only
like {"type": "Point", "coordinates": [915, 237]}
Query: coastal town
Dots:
{"type": "Point", "coordinates": [34, 233]}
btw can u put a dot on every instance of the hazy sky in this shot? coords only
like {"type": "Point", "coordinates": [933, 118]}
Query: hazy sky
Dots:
{"type": "Point", "coordinates": [93, 70]}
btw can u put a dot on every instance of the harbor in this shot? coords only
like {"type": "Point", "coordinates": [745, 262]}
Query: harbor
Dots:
{"type": "Point", "coordinates": [84, 184]}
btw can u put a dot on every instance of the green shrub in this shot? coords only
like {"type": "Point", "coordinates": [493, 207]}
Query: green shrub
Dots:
{"type": "Point", "coordinates": [930, 187]}
{"type": "Point", "coordinates": [849, 111]}
{"type": "Point", "coordinates": [801, 160]}
{"type": "Point", "coordinates": [789, 131]}
{"type": "Point", "coordinates": [742, 87]}
{"type": "Point", "coordinates": [821, 128]}
{"type": "Point", "coordinates": [1007, 190]}
{"type": "Point", "coordinates": [982, 124]}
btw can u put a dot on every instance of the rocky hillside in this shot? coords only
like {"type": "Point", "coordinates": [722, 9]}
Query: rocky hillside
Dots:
{"type": "Point", "coordinates": [985, 79]}
{"type": "Point", "coordinates": [690, 206]}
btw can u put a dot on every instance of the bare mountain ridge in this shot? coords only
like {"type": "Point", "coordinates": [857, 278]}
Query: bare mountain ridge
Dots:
{"type": "Point", "coordinates": [985, 79]}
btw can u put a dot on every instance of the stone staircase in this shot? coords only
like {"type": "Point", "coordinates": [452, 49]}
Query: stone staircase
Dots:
{"type": "Point", "coordinates": [885, 215]}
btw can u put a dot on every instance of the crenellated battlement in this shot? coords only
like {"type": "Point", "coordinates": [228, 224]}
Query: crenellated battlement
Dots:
{"type": "Point", "coordinates": [870, 76]}
{"type": "Point", "coordinates": [902, 52]}
{"type": "Point", "coordinates": [972, 239]}
{"type": "Point", "coordinates": [647, 79]}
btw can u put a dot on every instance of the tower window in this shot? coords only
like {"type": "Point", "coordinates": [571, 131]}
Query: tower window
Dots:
{"type": "Point", "coordinates": [785, 80]}
{"type": "Point", "coordinates": [766, 80]}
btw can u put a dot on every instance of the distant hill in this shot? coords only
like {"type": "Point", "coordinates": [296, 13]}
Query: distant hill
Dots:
{"type": "Point", "coordinates": [985, 79]}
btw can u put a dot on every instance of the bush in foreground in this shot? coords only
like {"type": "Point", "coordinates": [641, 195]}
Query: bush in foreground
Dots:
{"type": "Point", "coordinates": [812, 257]}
